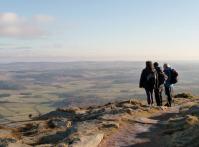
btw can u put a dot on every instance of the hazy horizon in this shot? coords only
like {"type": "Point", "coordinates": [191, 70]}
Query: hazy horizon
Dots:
{"type": "Point", "coordinates": [43, 60]}
{"type": "Point", "coordinates": [99, 30]}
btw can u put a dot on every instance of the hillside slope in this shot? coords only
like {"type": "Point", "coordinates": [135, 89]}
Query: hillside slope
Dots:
{"type": "Point", "coordinates": [126, 123]}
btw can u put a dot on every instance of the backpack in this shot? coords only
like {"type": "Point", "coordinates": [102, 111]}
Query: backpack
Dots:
{"type": "Point", "coordinates": [174, 76]}
{"type": "Point", "coordinates": [161, 78]}
{"type": "Point", "coordinates": [151, 77]}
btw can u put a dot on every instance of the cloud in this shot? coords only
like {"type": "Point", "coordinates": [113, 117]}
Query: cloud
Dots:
{"type": "Point", "coordinates": [15, 26]}
{"type": "Point", "coordinates": [15, 48]}
{"type": "Point", "coordinates": [43, 18]}
{"type": "Point", "coordinates": [21, 31]}
{"type": "Point", "coordinates": [8, 18]}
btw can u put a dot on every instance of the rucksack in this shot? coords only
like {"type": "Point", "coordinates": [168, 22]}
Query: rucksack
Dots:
{"type": "Point", "coordinates": [151, 77]}
{"type": "Point", "coordinates": [161, 78]}
{"type": "Point", "coordinates": [174, 76]}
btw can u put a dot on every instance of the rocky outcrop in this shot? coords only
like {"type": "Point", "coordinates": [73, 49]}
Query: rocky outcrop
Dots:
{"type": "Point", "coordinates": [184, 128]}
{"type": "Point", "coordinates": [87, 127]}
{"type": "Point", "coordinates": [72, 126]}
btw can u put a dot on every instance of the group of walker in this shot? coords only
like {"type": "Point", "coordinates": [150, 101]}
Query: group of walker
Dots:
{"type": "Point", "coordinates": [154, 80]}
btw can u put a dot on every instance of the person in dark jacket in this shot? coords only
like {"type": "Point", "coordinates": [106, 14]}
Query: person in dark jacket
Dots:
{"type": "Point", "coordinates": [168, 85]}
{"type": "Point", "coordinates": [147, 81]}
{"type": "Point", "coordinates": [159, 84]}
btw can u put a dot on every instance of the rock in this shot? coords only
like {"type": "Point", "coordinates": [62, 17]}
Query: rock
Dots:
{"type": "Point", "coordinates": [45, 145]}
{"type": "Point", "coordinates": [74, 111]}
{"type": "Point", "coordinates": [81, 112]}
{"type": "Point", "coordinates": [121, 104]}
{"type": "Point", "coordinates": [4, 142]}
{"type": "Point", "coordinates": [62, 145]}
{"type": "Point", "coordinates": [5, 132]}
{"type": "Point", "coordinates": [111, 117]}
{"type": "Point", "coordinates": [188, 137]}
{"type": "Point", "coordinates": [129, 111]}
{"type": "Point", "coordinates": [29, 129]}
{"type": "Point", "coordinates": [89, 141]}
{"type": "Point", "coordinates": [149, 121]}
{"type": "Point", "coordinates": [111, 125]}
{"type": "Point", "coordinates": [194, 110]}
{"type": "Point", "coordinates": [56, 114]}
{"type": "Point", "coordinates": [192, 120]}
{"type": "Point", "coordinates": [183, 95]}
{"type": "Point", "coordinates": [70, 109]}
{"type": "Point", "coordinates": [90, 116]}
{"type": "Point", "coordinates": [129, 105]}
{"type": "Point", "coordinates": [164, 108]}
{"type": "Point", "coordinates": [135, 102]}
{"type": "Point", "coordinates": [59, 123]}
{"type": "Point", "coordinates": [54, 136]}
{"type": "Point", "coordinates": [30, 116]}
{"type": "Point", "coordinates": [18, 145]}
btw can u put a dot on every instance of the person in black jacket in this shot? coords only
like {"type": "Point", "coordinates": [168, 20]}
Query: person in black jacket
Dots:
{"type": "Point", "coordinates": [159, 84]}
{"type": "Point", "coordinates": [147, 81]}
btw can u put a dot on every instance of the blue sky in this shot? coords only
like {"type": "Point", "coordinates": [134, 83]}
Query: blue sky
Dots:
{"type": "Point", "coordinates": [99, 30]}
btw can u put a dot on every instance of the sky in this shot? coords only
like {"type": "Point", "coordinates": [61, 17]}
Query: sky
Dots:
{"type": "Point", "coordinates": [70, 30]}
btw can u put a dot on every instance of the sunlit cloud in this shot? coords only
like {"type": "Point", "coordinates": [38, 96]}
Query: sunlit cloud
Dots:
{"type": "Point", "coordinates": [43, 18]}
{"type": "Point", "coordinates": [9, 18]}
{"type": "Point", "coordinates": [15, 26]}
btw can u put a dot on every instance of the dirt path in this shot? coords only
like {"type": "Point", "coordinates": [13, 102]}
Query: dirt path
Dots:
{"type": "Point", "coordinates": [141, 133]}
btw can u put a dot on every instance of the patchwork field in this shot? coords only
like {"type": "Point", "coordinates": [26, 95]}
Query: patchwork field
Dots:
{"type": "Point", "coordinates": [36, 88]}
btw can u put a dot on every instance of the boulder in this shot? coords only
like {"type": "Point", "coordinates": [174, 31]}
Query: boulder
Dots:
{"type": "Point", "coordinates": [92, 140]}
{"type": "Point", "coordinates": [59, 123]}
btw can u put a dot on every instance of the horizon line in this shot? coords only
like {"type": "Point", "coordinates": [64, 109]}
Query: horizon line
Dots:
{"type": "Point", "coordinates": [76, 61]}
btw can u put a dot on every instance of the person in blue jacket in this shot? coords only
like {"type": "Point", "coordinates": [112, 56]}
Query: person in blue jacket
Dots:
{"type": "Point", "coordinates": [168, 85]}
